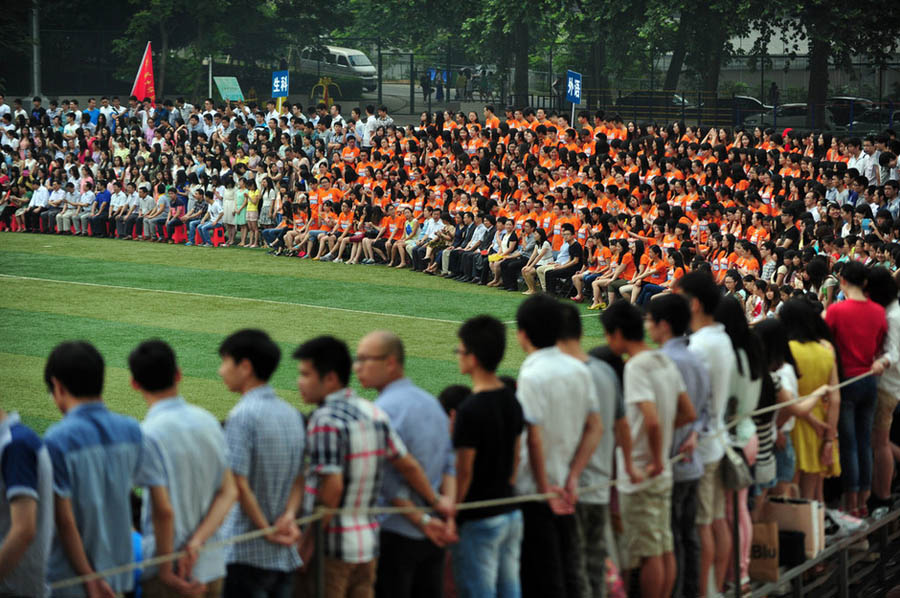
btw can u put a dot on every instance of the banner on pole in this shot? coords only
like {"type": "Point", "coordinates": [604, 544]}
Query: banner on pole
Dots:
{"type": "Point", "coordinates": [143, 83]}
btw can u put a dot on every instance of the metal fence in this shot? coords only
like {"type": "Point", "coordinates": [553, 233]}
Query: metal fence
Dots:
{"type": "Point", "coordinates": [863, 564]}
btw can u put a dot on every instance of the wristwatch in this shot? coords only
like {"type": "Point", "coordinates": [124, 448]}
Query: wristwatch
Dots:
{"type": "Point", "coordinates": [425, 520]}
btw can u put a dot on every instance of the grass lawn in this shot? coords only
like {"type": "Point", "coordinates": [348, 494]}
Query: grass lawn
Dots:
{"type": "Point", "coordinates": [117, 293]}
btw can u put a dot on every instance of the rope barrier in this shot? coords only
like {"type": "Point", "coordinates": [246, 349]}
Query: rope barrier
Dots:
{"type": "Point", "coordinates": [320, 512]}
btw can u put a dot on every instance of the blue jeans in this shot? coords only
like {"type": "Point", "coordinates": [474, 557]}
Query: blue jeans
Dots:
{"type": "Point", "coordinates": [269, 235]}
{"type": "Point", "coordinates": [486, 559]}
{"type": "Point", "coordinates": [192, 229]}
{"type": "Point", "coordinates": [206, 231]}
{"type": "Point", "coordinates": [858, 402]}
{"type": "Point", "coordinates": [648, 290]}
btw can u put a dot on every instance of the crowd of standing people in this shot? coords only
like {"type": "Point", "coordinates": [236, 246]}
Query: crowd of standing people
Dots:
{"type": "Point", "coordinates": [643, 422]}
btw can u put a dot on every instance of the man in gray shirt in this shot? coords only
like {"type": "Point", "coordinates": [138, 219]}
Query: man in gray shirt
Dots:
{"type": "Point", "coordinates": [667, 326]}
{"type": "Point", "coordinates": [594, 532]}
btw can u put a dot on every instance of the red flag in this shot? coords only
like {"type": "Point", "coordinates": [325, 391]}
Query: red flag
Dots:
{"type": "Point", "coordinates": [143, 83]}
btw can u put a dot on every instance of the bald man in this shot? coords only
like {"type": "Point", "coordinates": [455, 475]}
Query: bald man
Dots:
{"type": "Point", "coordinates": [411, 559]}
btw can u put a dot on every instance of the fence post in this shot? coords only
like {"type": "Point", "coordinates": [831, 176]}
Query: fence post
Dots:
{"type": "Point", "coordinates": [735, 112]}
{"type": "Point", "coordinates": [320, 558]}
{"type": "Point", "coordinates": [700, 118]}
{"type": "Point", "coordinates": [412, 84]}
{"type": "Point", "coordinates": [380, 78]}
{"type": "Point", "coordinates": [736, 543]}
{"type": "Point", "coordinates": [843, 574]}
{"type": "Point", "coordinates": [683, 107]}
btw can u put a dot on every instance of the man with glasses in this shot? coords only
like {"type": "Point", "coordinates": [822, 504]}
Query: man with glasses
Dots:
{"type": "Point", "coordinates": [412, 556]}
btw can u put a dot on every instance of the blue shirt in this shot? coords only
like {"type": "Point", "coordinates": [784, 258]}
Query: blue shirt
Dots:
{"type": "Point", "coordinates": [191, 446]}
{"type": "Point", "coordinates": [25, 471]}
{"type": "Point", "coordinates": [696, 380]}
{"type": "Point", "coordinates": [95, 114]}
{"type": "Point", "coordinates": [102, 198]}
{"type": "Point", "coordinates": [265, 438]}
{"type": "Point", "coordinates": [424, 428]}
{"type": "Point", "coordinates": [98, 457]}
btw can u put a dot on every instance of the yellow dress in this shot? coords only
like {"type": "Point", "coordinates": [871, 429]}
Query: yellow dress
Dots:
{"type": "Point", "coordinates": [814, 362]}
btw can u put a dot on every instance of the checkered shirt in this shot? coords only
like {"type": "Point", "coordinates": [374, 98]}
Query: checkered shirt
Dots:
{"type": "Point", "coordinates": [351, 436]}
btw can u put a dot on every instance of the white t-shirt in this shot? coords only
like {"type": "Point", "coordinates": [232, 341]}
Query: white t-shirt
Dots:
{"type": "Point", "coordinates": [547, 257]}
{"type": "Point", "coordinates": [889, 381]}
{"type": "Point", "coordinates": [787, 376]}
{"type": "Point", "coordinates": [557, 392]}
{"type": "Point", "coordinates": [713, 346]}
{"type": "Point", "coordinates": [650, 377]}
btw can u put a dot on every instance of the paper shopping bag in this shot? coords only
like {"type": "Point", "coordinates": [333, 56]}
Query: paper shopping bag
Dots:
{"type": "Point", "coordinates": [799, 515]}
{"type": "Point", "coordinates": [764, 552]}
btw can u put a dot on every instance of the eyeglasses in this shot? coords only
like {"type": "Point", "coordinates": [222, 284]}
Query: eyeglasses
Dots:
{"type": "Point", "coordinates": [458, 351]}
{"type": "Point", "coordinates": [365, 358]}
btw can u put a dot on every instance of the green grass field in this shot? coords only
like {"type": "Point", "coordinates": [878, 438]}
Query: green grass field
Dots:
{"type": "Point", "coordinates": [117, 293]}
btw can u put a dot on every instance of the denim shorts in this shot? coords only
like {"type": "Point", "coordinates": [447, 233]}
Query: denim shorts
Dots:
{"type": "Point", "coordinates": [785, 461]}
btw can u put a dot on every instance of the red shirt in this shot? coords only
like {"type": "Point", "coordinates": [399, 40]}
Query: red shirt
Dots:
{"type": "Point", "coordinates": [858, 328]}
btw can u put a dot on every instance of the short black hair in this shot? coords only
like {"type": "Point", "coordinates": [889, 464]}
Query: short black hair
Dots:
{"type": "Point", "coordinates": [453, 396]}
{"type": "Point", "coordinates": [326, 354]}
{"type": "Point", "coordinates": [854, 273]}
{"type": "Point", "coordinates": [624, 317]}
{"type": "Point", "coordinates": [255, 346]}
{"type": "Point", "coordinates": [78, 366]}
{"type": "Point", "coordinates": [485, 338]}
{"type": "Point", "coordinates": [672, 309]}
{"type": "Point", "coordinates": [881, 286]}
{"type": "Point", "coordinates": [152, 365]}
{"type": "Point", "coordinates": [701, 286]}
{"type": "Point", "coordinates": [570, 325]}
{"type": "Point", "coordinates": [539, 317]}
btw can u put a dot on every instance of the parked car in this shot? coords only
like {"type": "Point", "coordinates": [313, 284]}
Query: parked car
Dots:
{"type": "Point", "coordinates": [654, 99]}
{"type": "Point", "coordinates": [339, 62]}
{"type": "Point", "coordinates": [744, 106]}
{"type": "Point", "coordinates": [846, 108]}
{"type": "Point", "coordinates": [791, 116]}
{"type": "Point", "coordinates": [875, 120]}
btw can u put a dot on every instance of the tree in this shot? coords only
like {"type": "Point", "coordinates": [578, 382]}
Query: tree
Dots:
{"type": "Point", "coordinates": [835, 33]}
{"type": "Point", "coordinates": [254, 32]}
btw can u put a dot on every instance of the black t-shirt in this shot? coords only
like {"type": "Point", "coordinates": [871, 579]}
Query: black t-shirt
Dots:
{"type": "Point", "coordinates": [576, 252]}
{"type": "Point", "coordinates": [794, 235]}
{"type": "Point", "coordinates": [490, 422]}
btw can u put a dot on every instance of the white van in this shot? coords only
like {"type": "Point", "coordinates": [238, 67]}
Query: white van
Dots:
{"type": "Point", "coordinates": [339, 62]}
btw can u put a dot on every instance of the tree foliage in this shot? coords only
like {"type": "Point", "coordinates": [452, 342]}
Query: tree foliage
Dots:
{"type": "Point", "coordinates": [834, 32]}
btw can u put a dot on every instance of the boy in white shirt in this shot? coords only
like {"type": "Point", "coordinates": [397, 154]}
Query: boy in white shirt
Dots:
{"type": "Point", "coordinates": [656, 402]}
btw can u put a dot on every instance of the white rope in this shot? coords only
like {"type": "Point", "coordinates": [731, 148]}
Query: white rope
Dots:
{"type": "Point", "coordinates": [320, 512]}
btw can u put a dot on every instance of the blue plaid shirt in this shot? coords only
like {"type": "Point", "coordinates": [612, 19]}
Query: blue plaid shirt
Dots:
{"type": "Point", "coordinates": [98, 456]}
{"type": "Point", "coordinates": [265, 437]}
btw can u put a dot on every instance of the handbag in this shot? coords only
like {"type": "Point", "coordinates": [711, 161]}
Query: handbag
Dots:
{"type": "Point", "coordinates": [735, 471]}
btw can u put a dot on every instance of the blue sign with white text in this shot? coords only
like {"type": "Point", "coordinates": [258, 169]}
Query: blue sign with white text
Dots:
{"type": "Point", "coordinates": [280, 84]}
{"type": "Point", "coordinates": [573, 87]}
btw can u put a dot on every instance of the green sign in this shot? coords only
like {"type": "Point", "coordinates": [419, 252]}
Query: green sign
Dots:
{"type": "Point", "coordinates": [229, 88]}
